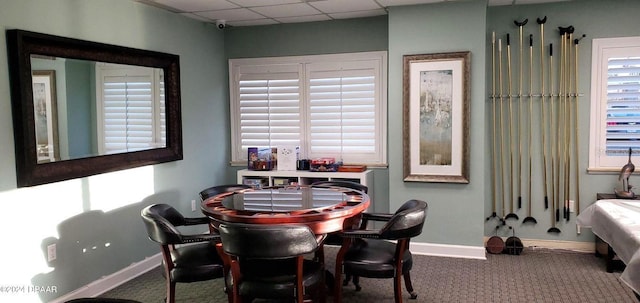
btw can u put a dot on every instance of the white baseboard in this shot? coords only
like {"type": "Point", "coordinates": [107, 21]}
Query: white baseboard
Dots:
{"type": "Point", "coordinates": [111, 281]}
{"type": "Point", "coordinates": [475, 252]}
{"type": "Point", "coordinates": [557, 244]}
{"type": "Point", "coordinates": [448, 250]}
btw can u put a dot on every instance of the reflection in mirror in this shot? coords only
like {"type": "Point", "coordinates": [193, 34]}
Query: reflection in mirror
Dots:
{"type": "Point", "coordinates": [82, 108]}
{"type": "Point", "coordinates": [85, 108]}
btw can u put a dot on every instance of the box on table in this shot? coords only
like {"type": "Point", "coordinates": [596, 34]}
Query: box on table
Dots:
{"type": "Point", "coordinates": [261, 158]}
{"type": "Point", "coordinates": [324, 165]}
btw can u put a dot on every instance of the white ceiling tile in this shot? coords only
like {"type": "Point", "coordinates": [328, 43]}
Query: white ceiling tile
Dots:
{"type": "Point", "coordinates": [262, 12]}
{"type": "Point", "coordinates": [536, 1]}
{"type": "Point", "coordinates": [500, 2]}
{"type": "Point", "coordinates": [301, 19]}
{"type": "Point", "coordinates": [341, 6]}
{"type": "Point", "coordinates": [286, 10]}
{"type": "Point", "coordinates": [253, 22]}
{"type": "Point", "coordinates": [406, 2]}
{"type": "Point", "coordinates": [197, 5]}
{"type": "Point", "coordinates": [359, 14]}
{"type": "Point", "coordinates": [238, 14]}
{"type": "Point", "coordinates": [194, 16]}
{"type": "Point", "coordinates": [253, 3]}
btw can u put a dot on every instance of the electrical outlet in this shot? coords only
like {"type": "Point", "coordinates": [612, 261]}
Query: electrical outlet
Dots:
{"type": "Point", "coordinates": [572, 206]}
{"type": "Point", "coordinates": [51, 252]}
{"type": "Point", "coordinates": [193, 205]}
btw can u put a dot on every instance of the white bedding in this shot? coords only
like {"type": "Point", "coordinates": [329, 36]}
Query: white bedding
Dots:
{"type": "Point", "coordinates": [617, 222]}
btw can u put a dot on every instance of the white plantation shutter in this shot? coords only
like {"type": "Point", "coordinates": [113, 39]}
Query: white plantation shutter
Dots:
{"type": "Point", "coordinates": [623, 105]}
{"type": "Point", "coordinates": [329, 105]}
{"type": "Point", "coordinates": [269, 109]}
{"type": "Point", "coordinates": [131, 109]}
{"type": "Point", "coordinates": [342, 114]}
{"type": "Point", "coordinates": [161, 127]}
{"type": "Point", "coordinates": [615, 102]}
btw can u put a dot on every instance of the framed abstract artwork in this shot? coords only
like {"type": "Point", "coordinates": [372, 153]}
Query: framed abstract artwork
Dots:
{"type": "Point", "coordinates": [436, 117]}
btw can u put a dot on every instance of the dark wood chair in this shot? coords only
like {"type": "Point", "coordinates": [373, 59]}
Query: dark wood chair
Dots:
{"type": "Point", "coordinates": [215, 190]}
{"type": "Point", "coordinates": [334, 238]}
{"type": "Point", "coordinates": [369, 253]}
{"type": "Point", "coordinates": [341, 183]}
{"type": "Point", "coordinates": [267, 261]}
{"type": "Point", "coordinates": [182, 263]}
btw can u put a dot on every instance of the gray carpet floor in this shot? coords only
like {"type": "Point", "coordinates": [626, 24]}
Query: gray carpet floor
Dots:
{"type": "Point", "coordinates": [539, 275]}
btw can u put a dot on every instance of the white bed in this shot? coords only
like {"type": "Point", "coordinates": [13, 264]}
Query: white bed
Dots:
{"type": "Point", "coordinates": [617, 222]}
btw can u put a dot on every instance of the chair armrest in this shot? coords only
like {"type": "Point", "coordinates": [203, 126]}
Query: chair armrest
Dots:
{"type": "Point", "coordinates": [366, 217]}
{"type": "Point", "coordinates": [200, 238]}
{"type": "Point", "coordinates": [320, 239]}
{"type": "Point", "coordinates": [196, 221]}
{"type": "Point", "coordinates": [376, 216]}
{"type": "Point", "coordinates": [360, 234]}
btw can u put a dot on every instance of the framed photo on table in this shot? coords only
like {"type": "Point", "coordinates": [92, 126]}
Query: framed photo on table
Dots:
{"type": "Point", "coordinates": [436, 117]}
{"type": "Point", "coordinates": [45, 115]}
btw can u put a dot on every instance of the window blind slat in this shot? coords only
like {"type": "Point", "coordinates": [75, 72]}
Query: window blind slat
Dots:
{"type": "Point", "coordinates": [340, 103]}
{"type": "Point", "coordinates": [130, 120]}
{"type": "Point", "coordinates": [623, 105]}
{"type": "Point", "coordinates": [269, 109]}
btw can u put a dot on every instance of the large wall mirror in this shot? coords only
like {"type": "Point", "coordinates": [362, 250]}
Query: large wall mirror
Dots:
{"type": "Point", "coordinates": [82, 108]}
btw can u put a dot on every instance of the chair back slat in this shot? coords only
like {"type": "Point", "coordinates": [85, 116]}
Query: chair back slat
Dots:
{"type": "Point", "coordinates": [341, 183]}
{"type": "Point", "coordinates": [407, 221]}
{"type": "Point", "coordinates": [267, 242]}
{"type": "Point", "coordinates": [160, 229]}
{"type": "Point", "coordinates": [214, 190]}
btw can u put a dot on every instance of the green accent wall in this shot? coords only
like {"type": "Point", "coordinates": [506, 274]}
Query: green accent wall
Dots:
{"type": "Point", "coordinates": [455, 210]}
{"type": "Point", "coordinates": [595, 19]}
{"type": "Point", "coordinates": [81, 108]}
{"type": "Point", "coordinates": [95, 221]}
{"type": "Point", "coordinates": [313, 38]}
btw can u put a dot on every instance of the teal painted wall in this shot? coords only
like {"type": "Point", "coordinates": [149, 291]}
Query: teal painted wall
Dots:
{"type": "Point", "coordinates": [80, 106]}
{"type": "Point", "coordinates": [596, 19]}
{"type": "Point", "coordinates": [104, 211]}
{"type": "Point", "coordinates": [340, 36]}
{"type": "Point", "coordinates": [455, 210]}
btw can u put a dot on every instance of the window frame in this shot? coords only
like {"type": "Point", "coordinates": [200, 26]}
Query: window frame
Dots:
{"type": "Point", "coordinates": [601, 48]}
{"type": "Point", "coordinates": [304, 66]}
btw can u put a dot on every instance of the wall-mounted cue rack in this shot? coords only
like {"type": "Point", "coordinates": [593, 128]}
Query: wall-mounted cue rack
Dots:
{"type": "Point", "coordinates": [512, 113]}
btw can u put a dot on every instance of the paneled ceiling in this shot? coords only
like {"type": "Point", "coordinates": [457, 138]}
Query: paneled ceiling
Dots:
{"type": "Point", "coordinates": [264, 12]}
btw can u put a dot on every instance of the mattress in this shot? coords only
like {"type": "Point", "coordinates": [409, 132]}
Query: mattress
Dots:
{"type": "Point", "coordinates": [617, 222]}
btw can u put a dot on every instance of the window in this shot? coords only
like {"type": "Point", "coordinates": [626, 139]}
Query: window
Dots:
{"type": "Point", "coordinates": [329, 105]}
{"type": "Point", "coordinates": [131, 114]}
{"type": "Point", "coordinates": [615, 102]}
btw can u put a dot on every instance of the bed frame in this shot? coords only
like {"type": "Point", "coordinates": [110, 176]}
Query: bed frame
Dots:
{"type": "Point", "coordinates": [616, 225]}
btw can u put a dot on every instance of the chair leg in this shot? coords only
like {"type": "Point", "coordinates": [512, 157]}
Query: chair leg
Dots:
{"type": "Point", "coordinates": [407, 283]}
{"type": "Point", "coordinates": [337, 289]}
{"type": "Point", "coordinates": [356, 283]}
{"type": "Point", "coordinates": [171, 292]}
{"type": "Point", "coordinates": [347, 277]}
{"type": "Point", "coordinates": [397, 288]}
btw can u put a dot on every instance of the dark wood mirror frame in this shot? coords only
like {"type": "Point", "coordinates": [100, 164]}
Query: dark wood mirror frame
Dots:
{"type": "Point", "coordinates": [21, 45]}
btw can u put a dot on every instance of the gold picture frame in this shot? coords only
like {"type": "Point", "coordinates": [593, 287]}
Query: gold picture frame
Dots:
{"type": "Point", "coordinates": [436, 117]}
